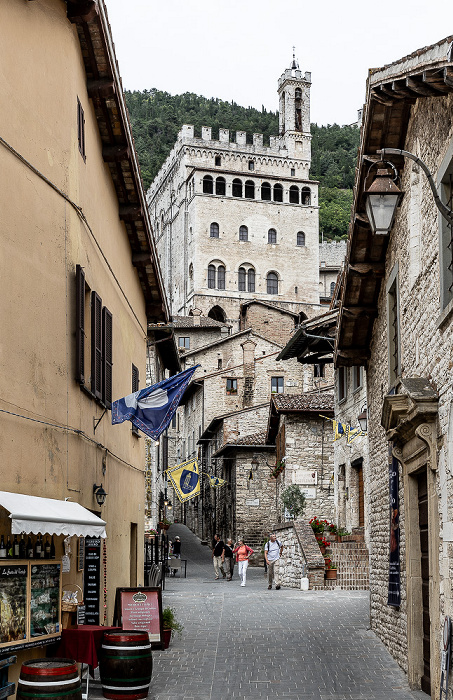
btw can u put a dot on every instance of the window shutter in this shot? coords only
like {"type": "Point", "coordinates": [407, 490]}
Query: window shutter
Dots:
{"type": "Point", "coordinates": [80, 325]}
{"type": "Point", "coordinates": [135, 379]}
{"type": "Point", "coordinates": [107, 357]}
{"type": "Point", "coordinates": [96, 345]}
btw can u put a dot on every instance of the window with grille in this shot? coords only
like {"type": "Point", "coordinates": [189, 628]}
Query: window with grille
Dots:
{"type": "Point", "coordinates": [446, 232]}
{"type": "Point", "coordinates": [319, 370]}
{"type": "Point", "coordinates": [211, 277]}
{"type": "Point", "coordinates": [220, 186]}
{"type": "Point", "coordinates": [300, 238]}
{"type": "Point", "coordinates": [277, 385]}
{"type": "Point", "coordinates": [243, 233]}
{"type": "Point", "coordinates": [241, 279]}
{"type": "Point", "coordinates": [272, 236]}
{"type": "Point", "coordinates": [272, 283]}
{"type": "Point", "coordinates": [332, 288]}
{"type": "Point", "coordinates": [278, 193]}
{"type": "Point", "coordinates": [266, 192]}
{"type": "Point", "coordinates": [251, 280]}
{"type": "Point", "coordinates": [208, 184]}
{"type": "Point", "coordinates": [214, 230]}
{"type": "Point", "coordinates": [249, 189]}
{"type": "Point", "coordinates": [237, 188]}
{"type": "Point", "coordinates": [81, 129]}
{"type": "Point", "coordinates": [294, 194]}
{"type": "Point", "coordinates": [231, 386]}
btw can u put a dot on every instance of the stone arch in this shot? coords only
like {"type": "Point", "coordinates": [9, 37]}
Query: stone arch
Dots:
{"type": "Point", "coordinates": [217, 313]}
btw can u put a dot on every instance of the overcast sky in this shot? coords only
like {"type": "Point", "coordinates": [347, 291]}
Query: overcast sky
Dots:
{"type": "Point", "coordinates": [237, 49]}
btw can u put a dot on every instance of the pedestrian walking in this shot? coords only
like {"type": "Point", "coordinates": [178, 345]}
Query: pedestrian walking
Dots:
{"type": "Point", "coordinates": [228, 563]}
{"type": "Point", "coordinates": [176, 549]}
{"type": "Point", "coordinates": [218, 548]}
{"type": "Point", "coordinates": [243, 554]}
{"type": "Point", "coordinates": [272, 552]}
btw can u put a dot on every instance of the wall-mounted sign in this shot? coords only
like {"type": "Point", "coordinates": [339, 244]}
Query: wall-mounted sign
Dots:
{"type": "Point", "coordinates": [305, 476]}
{"type": "Point", "coordinates": [309, 491]}
{"type": "Point", "coordinates": [140, 609]}
{"type": "Point", "coordinates": [252, 501]}
{"type": "Point", "coordinates": [92, 579]}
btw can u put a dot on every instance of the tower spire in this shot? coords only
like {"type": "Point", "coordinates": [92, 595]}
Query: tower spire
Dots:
{"type": "Point", "coordinates": [295, 63]}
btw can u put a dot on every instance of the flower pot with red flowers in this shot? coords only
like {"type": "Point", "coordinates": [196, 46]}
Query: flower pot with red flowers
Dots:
{"type": "Point", "coordinates": [331, 572]}
{"type": "Point", "coordinates": [317, 526]}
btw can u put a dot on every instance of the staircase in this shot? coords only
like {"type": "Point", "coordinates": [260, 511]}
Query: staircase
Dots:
{"type": "Point", "coordinates": [352, 560]}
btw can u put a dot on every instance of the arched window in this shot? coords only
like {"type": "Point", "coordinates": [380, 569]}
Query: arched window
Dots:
{"type": "Point", "coordinates": [298, 94]}
{"type": "Point", "coordinates": [220, 186]}
{"type": "Point", "coordinates": [211, 277]}
{"type": "Point", "coordinates": [266, 192]}
{"type": "Point", "coordinates": [221, 277]}
{"type": "Point", "coordinates": [217, 313]}
{"type": "Point", "coordinates": [306, 196]}
{"type": "Point", "coordinates": [249, 190]}
{"type": "Point", "coordinates": [278, 193]}
{"type": "Point", "coordinates": [272, 236]}
{"type": "Point", "coordinates": [241, 279]}
{"type": "Point", "coordinates": [294, 194]}
{"type": "Point", "coordinates": [208, 184]}
{"type": "Point", "coordinates": [251, 280]}
{"type": "Point", "coordinates": [332, 288]}
{"type": "Point", "coordinates": [237, 187]}
{"type": "Point", "coordinates": [272, 283]}
{"type": "Point", "coordinates": [300, 238]}
{"type": "Point", "coordinates": [214, 230]}
{"type": "Point", "coordinates": [243, 233]}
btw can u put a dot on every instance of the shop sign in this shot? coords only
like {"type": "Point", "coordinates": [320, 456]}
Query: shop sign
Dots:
{"type": "Point", "coordinates": [92, 579]}
{"type": "Point", "coordinates": [140, 609]}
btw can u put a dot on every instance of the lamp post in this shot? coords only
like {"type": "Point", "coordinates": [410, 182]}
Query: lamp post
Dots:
{"type": "Point", "coordinates": [382, 198]}
{"type": "Point", "coordinates": [363, 419]}
{"type": "Point", "coordinates": [100, 494]}
{"type": "Point", "coordinates": [373, 193]}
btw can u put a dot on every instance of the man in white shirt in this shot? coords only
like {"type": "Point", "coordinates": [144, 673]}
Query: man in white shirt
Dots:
{"type": "Point", "coordinates": [272, 552]}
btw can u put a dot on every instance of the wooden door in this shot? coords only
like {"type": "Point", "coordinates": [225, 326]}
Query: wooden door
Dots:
{"type": "Point", "coordinates": [361, 497]}
{"type": "Point", "coordinates": [424, 538]}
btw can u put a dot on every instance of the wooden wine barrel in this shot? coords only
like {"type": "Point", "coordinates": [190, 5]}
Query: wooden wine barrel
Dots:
{"type": "Point", "coordinates": [126, 665]}
{"type": "Point", "coordinates": [41, 679]}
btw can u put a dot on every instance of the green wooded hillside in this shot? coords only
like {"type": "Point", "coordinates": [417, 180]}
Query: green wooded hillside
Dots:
{"type": "Point", "coordinates": [157, 117]}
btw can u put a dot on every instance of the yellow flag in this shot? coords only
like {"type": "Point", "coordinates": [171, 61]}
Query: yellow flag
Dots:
{"type": "Point", "coordinates": [185, 479]}
{"type": "Point", "coordinates": [214, 481]}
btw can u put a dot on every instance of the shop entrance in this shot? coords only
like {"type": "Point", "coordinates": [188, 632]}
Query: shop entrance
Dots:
{"type": "Point", "coordinates": [424, 568]}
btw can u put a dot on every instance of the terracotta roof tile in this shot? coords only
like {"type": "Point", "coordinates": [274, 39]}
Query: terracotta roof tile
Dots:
{"type": "Point", "coordinates": [205, 322]}
{"type": "Point", "coordinates": [303, 402]}
{"type": "Point", "coordinates": [254, 439]}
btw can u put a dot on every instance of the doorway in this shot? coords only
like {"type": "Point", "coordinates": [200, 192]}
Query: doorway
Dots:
{"type": "Point", "coordinates": [424, 567]}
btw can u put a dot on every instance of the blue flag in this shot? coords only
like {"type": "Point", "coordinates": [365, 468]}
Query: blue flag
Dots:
{"type": "Point", "coordinates": [152, 409]}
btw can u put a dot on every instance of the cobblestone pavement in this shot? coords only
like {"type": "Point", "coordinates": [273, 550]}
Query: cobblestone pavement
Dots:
{"type": "Point", "coordinates": [251, 643]}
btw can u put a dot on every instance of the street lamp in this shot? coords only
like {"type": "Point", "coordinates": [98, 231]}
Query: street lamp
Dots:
{"type": "Point", "coordinates": [382, 198]}
{"type": "Point", "coordinates": [363, 419]}
{"type": "Point", "coordinates": [444, 210]}
{"type": "Point", "coordinates": [100, 494]}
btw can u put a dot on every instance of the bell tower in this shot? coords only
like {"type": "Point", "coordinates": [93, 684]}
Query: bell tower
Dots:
{"type": "Point", "coordinates": [294, 111]}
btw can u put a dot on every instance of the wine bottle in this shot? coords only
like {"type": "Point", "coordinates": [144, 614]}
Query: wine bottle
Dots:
{"type": "Point", "coordinates": [9, 548]}
{"type": "Point", "coordinates": [38, 547]}
{"type": "Point", "coordinates": [41, 556]}
{"type": "Point", "coordinates": [2, 548]}
{"type": "Point", "coordinates": [16, 547]}
{"type": "Point", "coordinates": [30, 550]}
{"type": "Point", "coordinates": [22, 548]}
{"type": "Point", "coordinates": [52, 549]}
{"type": "Point", "coordinates": [47, 549]}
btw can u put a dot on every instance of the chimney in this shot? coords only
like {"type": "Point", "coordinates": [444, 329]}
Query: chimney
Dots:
{"type": "Point", "coordinates": [196, 313]}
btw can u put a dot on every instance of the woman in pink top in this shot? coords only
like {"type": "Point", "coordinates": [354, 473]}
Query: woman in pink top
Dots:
{"type": "Point", "coordinates": [242, 553]}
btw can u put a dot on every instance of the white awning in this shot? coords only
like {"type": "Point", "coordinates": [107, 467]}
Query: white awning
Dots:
{"type": "Point", "coordinates": [49, 516]}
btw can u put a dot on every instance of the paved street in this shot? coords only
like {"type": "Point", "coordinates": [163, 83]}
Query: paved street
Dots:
{"type": "Point", "coordinates": [250, 643]}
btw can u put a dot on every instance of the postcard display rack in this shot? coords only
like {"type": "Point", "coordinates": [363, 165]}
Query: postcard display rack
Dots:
{"type": "Point", "coordinates": [30, 603]}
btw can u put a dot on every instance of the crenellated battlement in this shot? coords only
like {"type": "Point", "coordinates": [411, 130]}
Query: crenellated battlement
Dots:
{"type": "Point", "coordinates": [234, 140]}
{"type": "Point", "coordinates": [294, 74]}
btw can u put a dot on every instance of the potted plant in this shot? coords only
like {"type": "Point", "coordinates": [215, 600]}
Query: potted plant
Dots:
{"type": "Point", "coordinates": [323, 544]}
{"type": "Point", "coordinates": [170, 623]}
{"type": "Point", "coordinates": [332, 528]}
{"type": "Point", "coordinates": [277, 470]}
{"type": "Point", "coordinates": [164, 524]}
{"type": "Point", "coordinates": [331, 572]}
{"type": "Point", "coordinates": [317, 527]}
{"type": "Point", "coordinates": [342, 533]}
{"type": "Point", "coordinates": [293, 501]}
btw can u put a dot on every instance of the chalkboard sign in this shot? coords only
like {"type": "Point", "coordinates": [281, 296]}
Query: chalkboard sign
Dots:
{"type": "Point", "coordinates": [140, 609]}
{"type": "Point", "coordinates": [44, 599]}
{"type": "Point", "coordinates": [13, 602]}
{"type": "Point", "coordinates": [81, 615]}
{"type": "Point", "coordinates": [92, 579]}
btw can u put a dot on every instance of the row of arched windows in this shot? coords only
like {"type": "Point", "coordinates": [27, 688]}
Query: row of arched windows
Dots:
{"type": "Point", "coordinates": [244, 234]}
{"type": "Point", "coordinates": [246, 279]}
{"type": "Point", "coordinates": [268, 193]}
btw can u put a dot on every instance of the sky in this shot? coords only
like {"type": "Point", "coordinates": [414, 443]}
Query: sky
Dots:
{"type": "Point", "coordinates": [237, 50]}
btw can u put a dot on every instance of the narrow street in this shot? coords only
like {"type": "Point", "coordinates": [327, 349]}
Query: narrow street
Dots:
{"type": "Point", "coordinates": [249, 643]}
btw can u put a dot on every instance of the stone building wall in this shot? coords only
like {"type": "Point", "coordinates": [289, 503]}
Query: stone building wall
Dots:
{"type": "Point", "coordinates": [301, 556]}
{"type": "Point", "coordinates": [310, 462]}
{"type": "Point", "coordinates": [426, 339]}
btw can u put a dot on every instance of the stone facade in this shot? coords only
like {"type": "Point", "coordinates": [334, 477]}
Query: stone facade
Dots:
{"type": "Point", "coordinates": [236, 220]}
{"type": "Point", "coordinates": [331, 261]}
{"type": "Point", "coordinates": [409, 388]}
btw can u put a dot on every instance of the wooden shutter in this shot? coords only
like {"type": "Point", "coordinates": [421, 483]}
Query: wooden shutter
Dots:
{"type": "Point", "coordinates": [80, 325]}
{"type": "Point", "coordinates": [96, 345]}
{"type": "Point", "coordinates": [107, 356]}
{"type": "Point", "coordinates": [135, 379]}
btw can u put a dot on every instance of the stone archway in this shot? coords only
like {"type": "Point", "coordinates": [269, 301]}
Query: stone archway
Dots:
{"type": "Point", "coordinates": [217, 313]}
